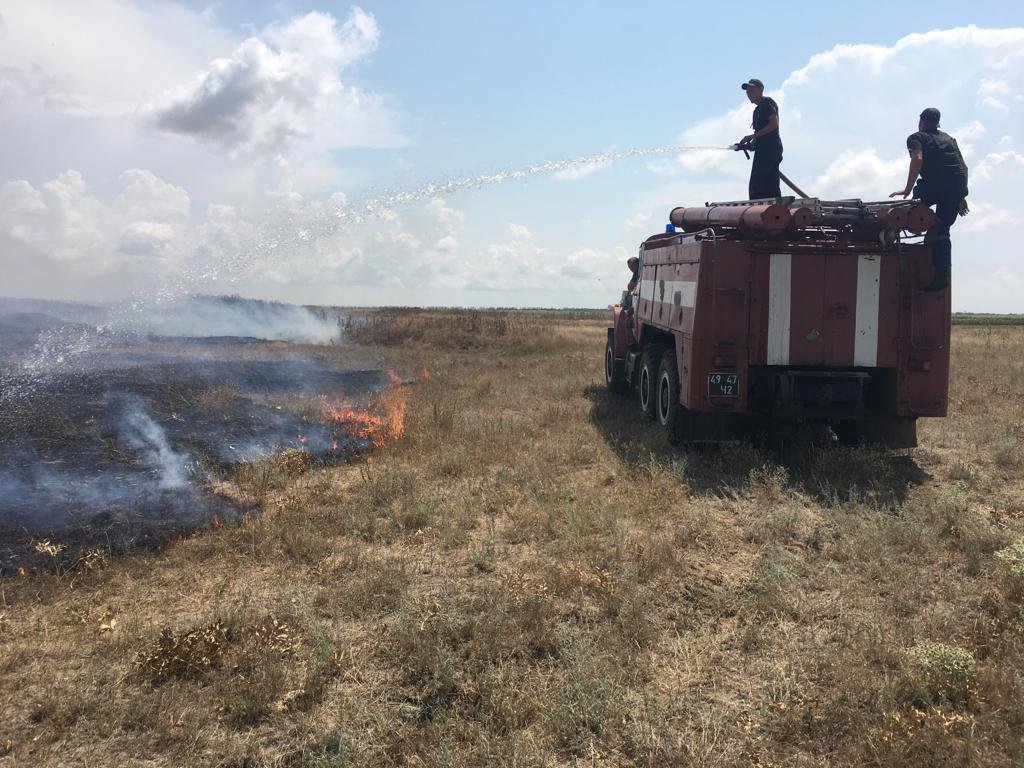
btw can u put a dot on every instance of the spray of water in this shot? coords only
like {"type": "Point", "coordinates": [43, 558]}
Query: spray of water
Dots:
{"type": "Point", "coordinates": [283, 233]}
{"type": "Point", "coordinates": [377, 207]}
{"type": "Point", "coordinates": [279, 235]}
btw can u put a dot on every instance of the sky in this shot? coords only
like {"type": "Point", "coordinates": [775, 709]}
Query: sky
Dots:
{"type": "Point", "coordinates": [152, 146]}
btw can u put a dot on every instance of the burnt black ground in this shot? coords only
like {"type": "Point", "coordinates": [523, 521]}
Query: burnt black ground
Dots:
{"type": "Point", "coordinates": [120, 450]}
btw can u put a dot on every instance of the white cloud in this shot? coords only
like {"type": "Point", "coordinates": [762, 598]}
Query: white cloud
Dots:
{"type": "Point", "coordinates": [991, 163]}
{"type": "Point", "coordinates": [854, 98]}
{"type": "Point", "coordinates": [986, 267]}
{"type": "Point", "coordinates": [84, 246]}
{"type": "Point", "coordinates": [986, 216]}
{"type": "Point", "coordinates": [584, 263]}
{"type": "Point", "coordinates": [860, 174]}
{"type": "Point", "coordinates": [639, 220]}
{"type": "Point", "coordinates": [973, 130]}
{"type": "Point", "coordinates": [993, 93]}
{"type": "Point", "coordinates": [1004, 275]}
{"type": "Point", "coordinates": [967, 136]}
{"type": "Point", "coordinates": [97, 59]}
{"type": "Point", "coordinates": [283, 86]}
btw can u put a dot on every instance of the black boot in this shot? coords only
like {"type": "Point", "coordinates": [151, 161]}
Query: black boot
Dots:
{"type": "Point", "coordinates": [941, 265]}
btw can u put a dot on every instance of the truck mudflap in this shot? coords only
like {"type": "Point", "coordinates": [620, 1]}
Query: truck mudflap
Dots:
{"type": "Point", "coordinates": [792, 394]}
{"type": "Point", "coordinates": [703, 427]}
{"type": "Point", "coordinates": [890, 431]}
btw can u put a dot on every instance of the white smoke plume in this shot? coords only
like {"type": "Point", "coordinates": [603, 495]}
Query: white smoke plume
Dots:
{"type": "Point", "coordinates": [149, 441]}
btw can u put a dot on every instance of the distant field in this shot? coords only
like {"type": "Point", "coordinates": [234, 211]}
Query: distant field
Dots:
{"type": "Point", "coordinates": [959, 318]}
{"type": "Point", "coordinates": [531, 576]}
{"type": "Point", "coordinates": [980, 318]}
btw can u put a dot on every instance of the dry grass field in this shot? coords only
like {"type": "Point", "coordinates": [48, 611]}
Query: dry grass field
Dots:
{"type": "Point", "coordinates": [532, 577]}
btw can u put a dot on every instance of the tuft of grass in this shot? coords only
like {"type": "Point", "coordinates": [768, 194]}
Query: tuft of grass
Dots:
{"type": "Point", "coordinates": [586, 702]}
{"type": "Point", "coordinates": [1011, 559]}
{"type": "Point", "coordinates": [188, 654]}
{"type": "Point", "coordinates": [366, 585]}
{"type": "Point", "coordinates": [946, 673]}
{"type": "Point", "coordinates": [1008, 451]}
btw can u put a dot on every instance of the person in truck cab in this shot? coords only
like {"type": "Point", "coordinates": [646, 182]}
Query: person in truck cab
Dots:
{"type": "Point", "coordinates": [765, 141]}
{"type": "Point", "coordinates": [634, 280]}
{"type": "Point", "coordinates": [935, 156]}
{"type": "Point", "coordinates": [634, 267]}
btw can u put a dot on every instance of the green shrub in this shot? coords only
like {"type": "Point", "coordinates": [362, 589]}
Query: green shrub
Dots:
{"type": "Point", "coordinates": [1011, 559]}
{"type": "Point", "coordinates": [946, 671]}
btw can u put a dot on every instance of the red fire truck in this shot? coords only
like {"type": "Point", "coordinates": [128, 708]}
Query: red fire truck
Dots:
{"type": "Point", "coordinates": [789, 310]}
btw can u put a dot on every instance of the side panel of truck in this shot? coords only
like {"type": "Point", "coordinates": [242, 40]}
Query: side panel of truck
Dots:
{"type": "Point", "coordinates": [923, 373]}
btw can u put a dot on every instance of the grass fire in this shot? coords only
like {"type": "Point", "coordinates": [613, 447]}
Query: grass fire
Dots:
{"type": "Point", "coordinates": [153, 438]}
{"type": "Point", "coordinates": [384, 420]}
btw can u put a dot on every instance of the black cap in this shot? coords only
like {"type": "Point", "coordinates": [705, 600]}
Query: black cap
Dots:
{"type": "Point", "coordinates": [931, 117]}
{"type": "Point", "coordinates": [752, 82]}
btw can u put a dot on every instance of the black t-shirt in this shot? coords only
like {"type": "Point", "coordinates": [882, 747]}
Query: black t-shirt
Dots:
{"type": "Point", "coordinates": [942, 173]}
{"type": "Point", "coordinates": [770, 142]}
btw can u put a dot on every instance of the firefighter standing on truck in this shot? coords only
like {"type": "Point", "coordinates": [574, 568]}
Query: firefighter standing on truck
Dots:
{"type": "Point", "coordinates": [765, 141]}
{"type": "Point", "coordinates": [943, 183]}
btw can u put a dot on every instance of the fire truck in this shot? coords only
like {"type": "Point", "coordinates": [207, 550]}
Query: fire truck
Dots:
{"type": "Point", "coordinates": [769, 312]}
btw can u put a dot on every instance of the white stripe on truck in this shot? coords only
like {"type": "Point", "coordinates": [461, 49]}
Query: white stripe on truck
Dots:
{"type": "Point", "coordinates": [779, 292]}
{"type": "Point", "coordinates": [865, 342]}
{"type": "Point", "coordinates": [647, 290]}
{"type": "Point", "coordinates": [687, 290]}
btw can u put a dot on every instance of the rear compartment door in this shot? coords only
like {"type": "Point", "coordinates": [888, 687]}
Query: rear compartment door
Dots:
{"type": "Point", "coordinates": [788, 321]}
{"type": "Point", "coordinates": [825, 310]}
{"type": "Point", "coordinates": [809, 336]}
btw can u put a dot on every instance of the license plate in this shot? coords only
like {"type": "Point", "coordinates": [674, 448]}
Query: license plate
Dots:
{"type": "Point", "coordinates": [723, 384]}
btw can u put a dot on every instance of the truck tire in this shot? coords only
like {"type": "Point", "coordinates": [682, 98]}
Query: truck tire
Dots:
{"type": "Point", "coordinates": [667, 409]}
{"type": "Point", "coordinates": [614, 370]}
{"type": "Point", "coordinates": [646, 379]}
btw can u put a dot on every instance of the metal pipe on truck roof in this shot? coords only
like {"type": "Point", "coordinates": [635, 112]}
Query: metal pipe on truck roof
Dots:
{"type": "Point", "coordinates": [769, 217]}
{"type": "Point", "coordinates": [889, 216]}
{"type": "Point", "coordinates": [802, 216]}
{"type": "Point", "coordinates": [920, 218]}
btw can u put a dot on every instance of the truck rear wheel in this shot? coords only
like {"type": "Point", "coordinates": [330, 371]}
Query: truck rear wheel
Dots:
{"type": "Point", "coordinates": [667, 407]}
{"type": "Point", "coordinates": [646, 380]}
{"type": "Point", "coordinates": [614, 370]}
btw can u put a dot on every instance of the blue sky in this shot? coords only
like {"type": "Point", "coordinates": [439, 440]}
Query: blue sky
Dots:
{"type": "Point", "coordinates": [486, 85]}
{"type": "Point", "coordinates": [399, 94]}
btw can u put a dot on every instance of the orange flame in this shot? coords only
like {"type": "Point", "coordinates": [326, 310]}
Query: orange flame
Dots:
{"type": "Point", "coordinates": [424, 374]}
{"type": "Point", "coordinates": [383, 420]}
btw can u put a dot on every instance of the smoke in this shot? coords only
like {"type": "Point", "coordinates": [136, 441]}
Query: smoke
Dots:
{"type": "Point", "coordinates": [52, 340]}
{"type": "Point", "coordinates": [148, 439]}
{"type": "Point", "coordinates": [209, 316]}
